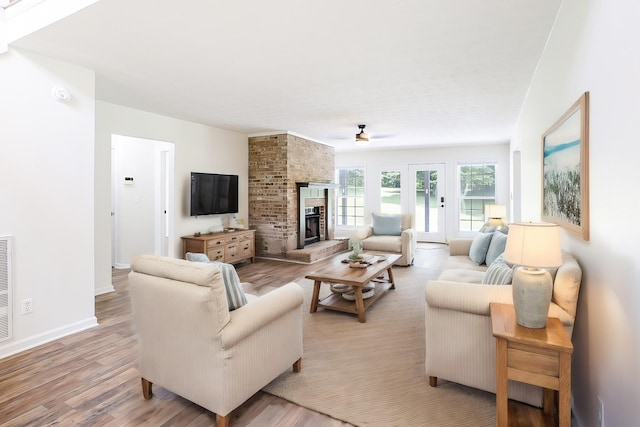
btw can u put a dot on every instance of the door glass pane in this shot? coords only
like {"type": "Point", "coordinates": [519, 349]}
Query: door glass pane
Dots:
{"type": "Point", "coordinates": [390, 192]}
{"type": "Point", "coordinates": [426, 201]}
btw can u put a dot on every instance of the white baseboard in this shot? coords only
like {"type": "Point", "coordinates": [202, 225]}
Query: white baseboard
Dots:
{"type": "Point", "coordinates": [104, 289]}
{"type": "Point", "coordinates": [14, 347]}
{"type": "Point", "coordinates": [121, 266]}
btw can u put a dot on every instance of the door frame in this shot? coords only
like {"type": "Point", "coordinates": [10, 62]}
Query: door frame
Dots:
{"type": "Point", "coordinates": [163, 197]}
{"type": "Point", "coordinates": [438, 236]}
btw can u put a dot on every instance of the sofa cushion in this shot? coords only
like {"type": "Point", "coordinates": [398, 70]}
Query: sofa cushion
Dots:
{"type": "Point", "coordinates": [387, 224]}
{"type": "Point", "coordinates": [498, 273]}
{"type": "Point", "coordinates": [496, 247]}
{"type": "Point", "coordinates": [462, 275]}
{"type": "Point", "coordinates": [462, 261]}
{"type": "Point", "coordinates": [479, 247]}
{"type": "Point", "coordinates": [383, 244]}
{"type": "Point", "coordinates": [236, 297]}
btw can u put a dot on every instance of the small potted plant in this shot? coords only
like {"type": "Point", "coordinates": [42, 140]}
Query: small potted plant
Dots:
{"type": "Point", "coordinates": [355, 257]}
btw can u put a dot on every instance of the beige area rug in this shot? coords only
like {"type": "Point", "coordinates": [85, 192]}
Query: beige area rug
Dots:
{"type": "Point", "coordinates": [372, 374]}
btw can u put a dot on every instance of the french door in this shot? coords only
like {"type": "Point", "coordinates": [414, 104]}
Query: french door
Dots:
{"type": "Point", "coordinates": [427, 201]}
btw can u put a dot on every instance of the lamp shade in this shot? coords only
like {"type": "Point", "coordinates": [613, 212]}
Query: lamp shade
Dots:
{"type": "Point", "coordinates": [534, 245]}
{"type": "Point", "coordinates": [496, 211]}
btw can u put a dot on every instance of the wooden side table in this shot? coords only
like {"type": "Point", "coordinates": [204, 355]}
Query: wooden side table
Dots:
{"type": "Point", "coordinates": [540, 357]}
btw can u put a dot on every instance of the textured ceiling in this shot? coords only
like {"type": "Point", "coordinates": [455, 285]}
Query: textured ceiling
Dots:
{"type": "Point", "coordinates": [417, 72]}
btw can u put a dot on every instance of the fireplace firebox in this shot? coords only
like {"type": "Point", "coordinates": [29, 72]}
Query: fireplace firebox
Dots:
{"type": "Point", "coordinates": [315, 204]}
{"type": "Point", "coordinates": [312, 225]}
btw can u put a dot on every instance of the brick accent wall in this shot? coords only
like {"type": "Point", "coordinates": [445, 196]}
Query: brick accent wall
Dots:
{"type": "Point", "coordinates": [276, 163]}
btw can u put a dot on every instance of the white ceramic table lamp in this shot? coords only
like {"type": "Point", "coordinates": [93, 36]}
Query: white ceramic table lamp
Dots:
{"type": "Point", "coordinates": [532, 247]}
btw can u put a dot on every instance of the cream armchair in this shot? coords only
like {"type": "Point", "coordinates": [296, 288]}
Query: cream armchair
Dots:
{"type": "Point", "coordinates": [402, 241]}
{"type": "Point", "coordinates": [191, 344]}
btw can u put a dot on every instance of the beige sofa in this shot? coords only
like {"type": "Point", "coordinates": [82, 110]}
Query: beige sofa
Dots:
{"type": "Point", "coordinates": [191, 344]}
{"type": "Point", "coordinates": [404, 243]}
{"type": "Point", "coordinates": [459, 343]}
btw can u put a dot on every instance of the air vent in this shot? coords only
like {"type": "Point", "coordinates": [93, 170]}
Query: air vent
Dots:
{"type": "Point", "coordinates": [5, 288]}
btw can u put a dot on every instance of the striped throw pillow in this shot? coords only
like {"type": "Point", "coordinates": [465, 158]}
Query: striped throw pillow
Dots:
{"type": "Point", "coordinates": [498, 273]}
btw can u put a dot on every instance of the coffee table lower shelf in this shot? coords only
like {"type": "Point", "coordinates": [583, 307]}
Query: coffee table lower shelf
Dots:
{"type": "Point", "coordinates": [337, 303]}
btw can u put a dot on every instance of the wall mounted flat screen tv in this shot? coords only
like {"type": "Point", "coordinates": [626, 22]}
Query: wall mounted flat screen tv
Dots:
{"type": "Point", "coordinates": [213, 193]}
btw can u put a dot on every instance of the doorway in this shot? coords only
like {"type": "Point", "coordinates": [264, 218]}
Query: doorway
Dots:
{"type": "Point", "coordinates": [427, 201]}
{"type": "Point", "coordinates": [142, 198]}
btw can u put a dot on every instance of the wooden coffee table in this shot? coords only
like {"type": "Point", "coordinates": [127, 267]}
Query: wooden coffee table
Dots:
{"type": "Point", "coordinates": [338, 272]}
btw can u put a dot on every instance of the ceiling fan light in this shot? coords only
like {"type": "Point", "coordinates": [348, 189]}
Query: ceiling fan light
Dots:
{"type": "Point", "coordinates": [362, 140]}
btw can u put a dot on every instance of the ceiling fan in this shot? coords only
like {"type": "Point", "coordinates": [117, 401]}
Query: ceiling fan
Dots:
{"type": "Point", "coordinates": [362, 137]}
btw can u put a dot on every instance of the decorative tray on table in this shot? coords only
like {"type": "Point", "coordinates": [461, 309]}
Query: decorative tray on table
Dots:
{"type": "Point", "coordinates": [364, 261]}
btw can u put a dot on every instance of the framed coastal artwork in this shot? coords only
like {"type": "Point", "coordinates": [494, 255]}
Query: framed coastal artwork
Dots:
{"type": "Point", "coordinates": [565, 170]}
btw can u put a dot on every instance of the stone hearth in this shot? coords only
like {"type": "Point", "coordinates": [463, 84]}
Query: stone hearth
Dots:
{"type": "Point", "coordinates": [318, 251]}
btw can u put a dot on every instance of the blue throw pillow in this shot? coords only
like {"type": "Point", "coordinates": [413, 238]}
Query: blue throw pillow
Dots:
{"type": "Point", "coordinates": [235, 294]}
{"type": "Point", "coordinates": [498, 273]}
{"type": "Point", "coordinates": [196, 257]}
{"type": "Point", "coordinates": [387, 224]}
{"type": "Point", "coordinates": [479, 247]}
{"type": "Point", "coordinates": [496, 247]}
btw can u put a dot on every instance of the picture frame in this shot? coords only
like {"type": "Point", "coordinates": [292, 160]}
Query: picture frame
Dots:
{"type": "Point", "coordinates": [565, 170]}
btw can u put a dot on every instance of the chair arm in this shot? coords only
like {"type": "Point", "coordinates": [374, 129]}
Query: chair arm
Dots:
{"type": "Point", "coordinates": [363, 232]}
{"type": "Point", "coordinates": [259, 312]}
{"type": "Point", "coordinates": [408, 239]}
{"type": "Point", "coordinates": [460, 246]}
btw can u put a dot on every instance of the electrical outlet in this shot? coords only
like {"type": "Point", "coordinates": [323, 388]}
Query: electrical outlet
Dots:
{"type": "Point", "coordinates": [27, 306]}
{"type": "Point", "coordinates": [600, 412]}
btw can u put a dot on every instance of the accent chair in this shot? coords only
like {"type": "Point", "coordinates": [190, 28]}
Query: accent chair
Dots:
{"type": "Point", "coordinates": [193, 345]}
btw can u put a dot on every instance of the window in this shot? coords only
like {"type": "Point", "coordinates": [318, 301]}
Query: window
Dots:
{"type": "Point", "coordinates": [390, 192]}
{"type": "Point", "coordinates": [477, 188]}
{"type": "Point", "coordinates": [350, 203]}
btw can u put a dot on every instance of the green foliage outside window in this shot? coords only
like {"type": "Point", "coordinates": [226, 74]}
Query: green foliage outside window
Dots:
{"type": "Point", "coordinates": [477, 188]}
{"type": "Point", "coordinates": [350, 198]}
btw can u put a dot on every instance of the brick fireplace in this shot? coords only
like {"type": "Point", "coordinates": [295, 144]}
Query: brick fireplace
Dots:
{"type": "Point", "coordinates": [287, 175]}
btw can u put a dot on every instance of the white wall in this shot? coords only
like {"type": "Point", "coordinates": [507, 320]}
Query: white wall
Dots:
{"type": "Point", "coordinates": [198, 148]}
{"type": "Point", "coordinates": [594, 47]}
{"type": "Point", "coordinates": [46, 194]}
{"type": "Point", "coordinates": [374, 160]}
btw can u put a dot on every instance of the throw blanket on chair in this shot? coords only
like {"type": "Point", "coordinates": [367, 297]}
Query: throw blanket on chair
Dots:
{"type": "Point", "coordinates": [235, 294]}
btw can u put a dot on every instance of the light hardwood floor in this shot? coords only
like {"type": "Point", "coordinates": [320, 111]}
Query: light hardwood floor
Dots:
{"type": "Point", "coordinates": [90, 378]}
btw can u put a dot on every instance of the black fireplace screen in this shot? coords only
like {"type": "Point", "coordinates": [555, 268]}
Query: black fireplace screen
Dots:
{"type": "Point", "coordinates": [312, 225]}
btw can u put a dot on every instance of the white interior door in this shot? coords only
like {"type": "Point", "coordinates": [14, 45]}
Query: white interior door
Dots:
{"type": "Point", "coordinates": [114, 225]}
{"type": "Point", "coordinates": [427, 201]}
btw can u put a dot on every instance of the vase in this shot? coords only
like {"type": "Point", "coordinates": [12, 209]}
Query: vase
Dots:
{"type": "Point", "coordinates": [532, 289]}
